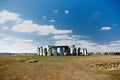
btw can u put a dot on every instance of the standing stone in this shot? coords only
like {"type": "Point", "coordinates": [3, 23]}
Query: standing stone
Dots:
{"type": "Point", "coordinates": [85, 51]}
{"type": "Point", "coordinates": [61, 51]}
{"type": "Point", "coordinates": [78, 51]}
{"type": "Point", "coordinates": [41, 51]}
{"type": "Point", "coordinates": [67, 51]}
{"type": "Point", "coordinates": [71, 50]}
{"type": "Point", "coordinates": [54, 51]}
{"type": "Point", "coordinates": [45, 51]}
{"type": "Point", "coordinates": [74, 51]}
{"type": "Point", "coordinates": [38, 51]}
{"type": "Point", "coordinates": [64, 51]}
{"type": "Point", "coordinates": [49, 51]}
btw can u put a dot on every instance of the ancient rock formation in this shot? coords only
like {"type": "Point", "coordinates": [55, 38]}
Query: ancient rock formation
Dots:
{"type": "Point", "coordinates": [61, 51]}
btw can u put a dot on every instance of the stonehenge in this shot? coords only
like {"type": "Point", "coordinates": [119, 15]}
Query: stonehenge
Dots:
{"type": "Point", "coordinates": [69, 51]}
{"type": "Point", "coordinates": [61, 51]}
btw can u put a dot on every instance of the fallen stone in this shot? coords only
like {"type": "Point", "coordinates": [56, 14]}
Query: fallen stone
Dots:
{"type": "Point", "coordinates": [31, 61]}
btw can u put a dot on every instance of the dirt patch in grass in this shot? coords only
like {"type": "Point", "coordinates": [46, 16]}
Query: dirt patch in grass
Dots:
{"type": "Point", "coordinates": [106, 65]}
{"type": "Point", "coordinates": [53, 68]}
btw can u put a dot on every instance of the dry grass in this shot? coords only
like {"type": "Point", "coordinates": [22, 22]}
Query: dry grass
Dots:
{"type": "Point", "coordinates": [55, 68]}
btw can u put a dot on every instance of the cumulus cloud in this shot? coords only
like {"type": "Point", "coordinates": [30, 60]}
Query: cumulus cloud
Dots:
{"type": "Point", "coordinates": [9, 16]}
{"type": "Point", "coordinates": [105, 28]}
{"type": "Point", "coordinates": [113, 46]}
{"type": "Point", "coordinates": [91, 46]}
{"type": "Point", "coordinates": [77, 40]}
{"type": "Point", "coordinates": [16, 45]}
{"type": "Point", "coordinates": [61, 37]}
{"type": "Point", "coordinates": [28, 26]}
{"type": "Point", "coordinates": [67, 12]}
{"type": "Point", "coordinates": [81, 43]}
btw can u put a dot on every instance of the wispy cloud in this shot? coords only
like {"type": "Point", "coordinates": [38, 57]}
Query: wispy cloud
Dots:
{"type": "Point", "coordinates": [57, 31]}
{"type": "Point", "coordinates": [105, 28]}
{"type": "Point", "coordinates": [52, 21]}
{"type": "Point", "coordinates": [115, 25]}
{"type": "Point", "coordinates": [14, 44]}
{"type": "Point", "coordinates": [5, 28]}
{"type": "Point", "coordinates": [68, 37]}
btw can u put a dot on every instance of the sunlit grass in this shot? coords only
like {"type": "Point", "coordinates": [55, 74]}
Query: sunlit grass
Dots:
{"type": "Point", "coordinates": [54, 68]}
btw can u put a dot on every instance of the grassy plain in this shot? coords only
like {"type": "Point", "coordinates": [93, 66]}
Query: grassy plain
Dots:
{"type": "Point", "coordinates": [56, 68]}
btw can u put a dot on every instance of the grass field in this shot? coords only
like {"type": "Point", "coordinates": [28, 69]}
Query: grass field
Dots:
{"type": "Point", "coordinates": [56, 68]}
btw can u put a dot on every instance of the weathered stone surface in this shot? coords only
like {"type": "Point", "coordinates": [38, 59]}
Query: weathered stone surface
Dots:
{"type": "Point", "coordinates": [85, 51]}
{"type": "Point", "coordinates": [60, 50]}
{"type": "Point", "coordinates": [38, 51]}
{"type": "Point", "coordinates": [31, 61]}
{"type": "Point", "coordinates": [41, 51]}
{"type": "Point", "coordinates": [45, 51]}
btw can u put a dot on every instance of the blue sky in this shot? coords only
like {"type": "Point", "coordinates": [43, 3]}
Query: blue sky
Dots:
{"type": "Point", "coordinates": [91, 24]}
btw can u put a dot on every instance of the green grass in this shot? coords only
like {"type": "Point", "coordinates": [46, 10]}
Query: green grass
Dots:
{"type": "Point", "coordinates": [55, 68]}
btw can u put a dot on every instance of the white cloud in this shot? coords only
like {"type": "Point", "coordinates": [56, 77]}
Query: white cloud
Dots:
{"type": "Point", "coordinates": [56, 31]}
{"type": "Point", "coordinates": [68, 37]}
{"type": "Point", "coordinates": [106, 28]}
{"type": "Point", "coordinates": [80, 36]}
{"type": "Point", "coordinates": [45, 29]}
{"type": "Point", "coordinates": [61, 37]}
{"type": "Point", "coordinates": [25, 26]}
{"type": "Point", "coordinates": [113, 46]}
{"type": "Point", "coordinates": [52, 21]}
{"type": "Point", "coordinates": [16, 45]}
{"type": "Point", "coordinates": [28, 26]}
{"type": "Point", "coordinates": [9, 16]}
{"type": "Point", "coordinates": [65, 42]}
{"type": "Point", "coordinates": [67, 12]}
{"type": "Point", "coordinates": [91, 46]}
{"type": "Point", "coordinates": [5, 28]}
{"type": "Point", "coordinates": [70, 42]}
{"type": "Point", "coordinates": [77, 40]}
